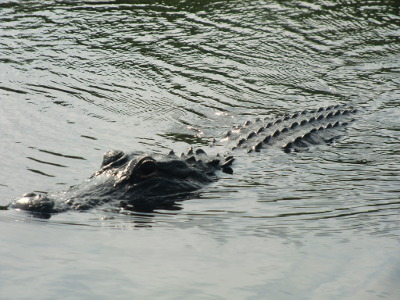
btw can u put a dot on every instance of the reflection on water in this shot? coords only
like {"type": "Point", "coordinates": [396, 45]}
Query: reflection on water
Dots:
{"type": "Point", "coordinates": [78, 78]}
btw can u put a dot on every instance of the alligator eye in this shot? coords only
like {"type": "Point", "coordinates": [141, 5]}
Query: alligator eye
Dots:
{"type": "Point", "coordinates": [147, 168]}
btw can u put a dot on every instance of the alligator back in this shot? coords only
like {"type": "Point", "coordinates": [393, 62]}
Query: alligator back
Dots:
{"type": "Point", "coordinates": [292, 132]}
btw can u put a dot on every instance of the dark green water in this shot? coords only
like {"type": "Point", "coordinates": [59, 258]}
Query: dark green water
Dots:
{"type": "Point", "coordinates": [78, 78]}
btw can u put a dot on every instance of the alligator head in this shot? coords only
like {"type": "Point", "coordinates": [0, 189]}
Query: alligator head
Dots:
{"type": "Point", "coordinates": [135, 181]}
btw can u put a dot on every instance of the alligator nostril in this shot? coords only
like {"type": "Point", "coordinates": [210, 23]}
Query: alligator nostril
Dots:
{"type": "Point", "coordinates": [29, 195]}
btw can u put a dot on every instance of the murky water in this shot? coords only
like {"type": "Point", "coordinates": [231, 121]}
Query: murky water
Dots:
{"type": "Point", "coordinates": [78, 78]}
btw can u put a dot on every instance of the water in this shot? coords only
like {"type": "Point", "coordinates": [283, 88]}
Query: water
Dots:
{"type": "Point", "coordinates": [79, 78]}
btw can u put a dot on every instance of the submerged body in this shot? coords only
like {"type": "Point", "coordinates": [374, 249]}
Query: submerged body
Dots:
{"type": "Point", "coordinates": [144, 182]}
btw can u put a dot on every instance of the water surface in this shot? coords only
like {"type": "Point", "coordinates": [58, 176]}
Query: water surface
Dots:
{"type": "Point", "coordinates": [78, 78]}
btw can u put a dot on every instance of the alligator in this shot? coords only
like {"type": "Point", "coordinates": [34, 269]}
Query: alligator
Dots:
{"type": "Point", "coordinates": [140, 181]}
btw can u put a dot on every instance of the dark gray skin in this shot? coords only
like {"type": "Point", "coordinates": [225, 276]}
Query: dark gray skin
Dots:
{"type": "Point", "coordinates": [142, 182]}
{"type": "Point", "coordinates": [292, 132]}
{"type": "Point", "coordinates": [135, 181]}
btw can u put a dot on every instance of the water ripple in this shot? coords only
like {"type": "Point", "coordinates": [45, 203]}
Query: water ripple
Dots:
{"type": "Point", "coordinates": [178, 65]}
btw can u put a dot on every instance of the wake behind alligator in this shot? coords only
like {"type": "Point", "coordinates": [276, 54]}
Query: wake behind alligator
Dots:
{"type": "Point", "coordinates": [144, 182]}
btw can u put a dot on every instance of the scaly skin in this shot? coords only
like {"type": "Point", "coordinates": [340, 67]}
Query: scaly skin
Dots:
{"type": "Point", "coordinates": [144, 182]}
{"type": "Point", "coordinates": [293, 133]}
{"type": "Point", "coordinates": [135, 181]}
